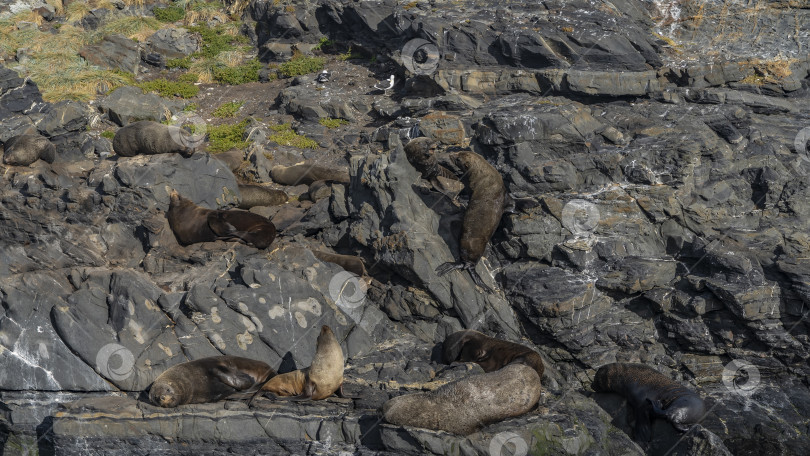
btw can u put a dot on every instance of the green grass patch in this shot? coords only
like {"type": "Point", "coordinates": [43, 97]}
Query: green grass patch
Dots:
{"type": "Point", "coordinates": [300, 65]}
{"type": "Point", "coordinates": [137, 28]}
{"type": "Point", "coordinates": [191, 107]}
{"type": "Point", "coordinates": [227, 137]}
{"type": "Point", "coordinates": [109, 134]}
{"type": "Point", "coordinates": [240, 74]}
{"type": "Point", "coordinates": [228, 109]}
{"type": "Point", "coordinates": [351, 55]}
{"type": "Point", "coordinates": [169, 14]}
{"type": "Point", "coordinates": [216, 40]}
{"type": "Point", "coordinates": [184, 63]}
{"type": "Point", "coordinates": [189, 78]}
{"type": "Point", "coordinates": [285, 136]}
{"type": "Point", "coordinates": [323, 43]}
{"type": "Point", "coordinates": [166, 88]}
{"type": "Point", "coordinates": [329, 122]}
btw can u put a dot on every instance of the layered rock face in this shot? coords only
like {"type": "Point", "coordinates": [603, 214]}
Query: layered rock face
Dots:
{"type": "Point", "coordinates": [661, 217]}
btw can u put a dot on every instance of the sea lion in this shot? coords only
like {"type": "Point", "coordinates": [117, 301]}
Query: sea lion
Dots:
{"type": "Point", "coordinates": [208, 380]}
{"type": "Point", "coordinates": [650, 394]}
{"type": "Point", "coordinates": [191, 224]}
{"type": "Point", "coordinates": [421, 153]}
{"type": "Point", "coordinates": [487, 204]}
{"type": "Point", "coordinates": [149, 138]}
{"type": "Point", "coordinates": [488, 352]}
{"type": "Point", "coordinates": [467, 404]}
{"type": "Point", "coordinates": [350, 263]}
{"type": "Point", "coordinates": [306, 173]}
{"type": "Point", "coordinates": [320, 380]}
{"type": "Point", "coordinates": [22, 150]}
{"type": "Point", "coordinates": [252, 195]}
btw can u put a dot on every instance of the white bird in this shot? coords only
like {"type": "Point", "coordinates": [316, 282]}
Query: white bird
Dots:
{"type": "Point", "coordinates": [385, 85]}
{"type": "Point", "coordinates": [323, 77]}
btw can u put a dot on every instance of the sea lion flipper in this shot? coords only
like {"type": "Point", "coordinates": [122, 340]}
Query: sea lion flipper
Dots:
{"type": "Point", "coordinates": [239, 381]}
{"type": "Point", "coordinates": [643, 429]}
{"type": "Point", "coordinates": [449, 266]}
{"type": "Point", "coordinates": [656, 407]}
{"type": "Point", "coordinates": [478, 281]}
{"type": "Point", "coordinates": [219, 225]}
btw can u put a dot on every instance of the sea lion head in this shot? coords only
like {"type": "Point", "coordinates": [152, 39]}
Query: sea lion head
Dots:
{"type": "Point", "coordinates": [164, 394]}
{"type": "Point", "coordinates": [174, 198]}
{"type": "Point", "coordinates": [326, 332]}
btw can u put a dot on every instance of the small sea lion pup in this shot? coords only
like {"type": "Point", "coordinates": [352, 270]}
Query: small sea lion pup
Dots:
{"type": "Point", "coordinates": [306, 173]}
{"type": "Point", "coordinates": [191, 224]}
{"type": "Point", "coordinates": [150, 138]}
{"type": "Point", "coordinates": [488, 352]}
{"type": "Point", "coordinates": [320, 380]}
{"type": "Point", "coordinates": [467, 404]}
{"type": "Point", "coordinates": [252, 195]}
{"type": "Point", "coordinates": [650, 394]}
{"type": "Point", "coordinates": [22, 150]}
{"type": "Point", "coordinates": [208, 380]}
{"type": "Point", "coordinates": [487, 204]}
{"type": "Point", "coordinates": [350, 263]}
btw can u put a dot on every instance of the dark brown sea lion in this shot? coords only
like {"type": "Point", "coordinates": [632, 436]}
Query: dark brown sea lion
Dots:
{"type": "Point", "coordinates": [22, 150]}
{"type": "Point", "coordinates": [488, 352]}
{"type": "Point", "coordinates": [650, 394]}
{"type": "Point", "coordinates": [348, 262]}
{"type": "Point", "coordinates": [421, 153]}
{"type": "Point", "coordinates": [208, 380]}
{"type": "Point", "coordinates": [465, 405]}
{"type": "Point", "coordinates": [191, 224]}
{"type": "Point", "coordinates": [252, 195]}
{"type": "Point", "coordinates": [487, 204]}
{"type": "Point", "coordinates": [320, 380]}
{"type": "Point", "coordinates": [307, 173]}
{"type": "Point", "coordinates": [150, 138]}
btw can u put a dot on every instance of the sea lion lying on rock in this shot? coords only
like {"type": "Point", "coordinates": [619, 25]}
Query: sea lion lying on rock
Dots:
{"type": "Point", "coordinates": [307, 173]}
{"type": "Point", "coordinates": [22, 150]}
{"type": "Point", "coordinates": [150, 138]}
{"type": "Point", "coordinates": [465, 405]}
{"type": "Point", "coordinates": [350, 263]}
{"type": "Point", "coordinates": [650, 394]}
{"type": "Point", "coordinates": [320, 380]}
{"type": "Point", "coordinates": [208, 380]}
{"type": "Point", "coordinates": [191, 224]}
{"type": "Point", "coordinates": [487, 204]}
{"type": "Point", "coordinates": [252, 195]}
{"type": "Point", "coordinates": [488, 352]}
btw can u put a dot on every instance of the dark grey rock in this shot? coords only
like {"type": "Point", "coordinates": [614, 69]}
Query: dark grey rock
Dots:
{"type": "Point", "coordinates": [115, 52]}
{"type": "Point", "coordinates": [174, 42]}
{"type": "Point", "coordinates": [129, 104]}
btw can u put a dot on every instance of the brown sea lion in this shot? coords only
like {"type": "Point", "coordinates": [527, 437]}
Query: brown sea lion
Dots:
{"type": "Point", "coordinates": [467, 404]}
{"type": "Point", "coordinates": [191, 224]}
{"type": "Point", "coordinates": [350, 263]}
{"type": "Point", "coordinates": [149, 138]}
{"type": "Point", "coordinates": [22, 150]}
{"type": "Point", "coordinates": [650, 394]}
{"type": "Point", "coordinates": [307, 172]}
{"type": "Point", "coordinates": [487, 204]}
{"type": "Point", "coordinates": [252, 195]}
{"type": "Point", "coordinates": [208, 380]}
{"type": "Point", "coordinates": [421, 153]}
{"type": "Point", "coordinates": [320, 380]}
{"type": "Point", "coordinates": [488, 352]}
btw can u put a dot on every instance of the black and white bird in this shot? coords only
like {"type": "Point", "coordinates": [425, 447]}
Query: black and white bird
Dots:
{"type": "Point", "coordinates": [323, 77]}
{"type": "Point", "coordinates": [385, 85]}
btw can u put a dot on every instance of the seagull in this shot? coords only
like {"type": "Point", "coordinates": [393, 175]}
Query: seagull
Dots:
{"type": "Point", "coordinates": [385, 85]}
{"type": "Point", "coordinates": [323, 77]}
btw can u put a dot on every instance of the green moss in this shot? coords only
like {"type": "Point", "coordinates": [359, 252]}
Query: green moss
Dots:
{"type": "Point", "coordinates": [247, 72]}
{"type": "Point", "coordinates": [227, 137]}
{"type": "Point", "coordinates": [189, 77]}
{"type": "Point", "coordinates": [300, 65]}
{"type": "Point", "coordinates": [191, 107]}
{"type": "Point", "coordinates": [109, 134]}
{"type": "Point", "coordinates": [166, 88]}
{"type": "Point", "coordinates": [184, 63]}
{"type": "Point", "coordinates": [228, 109]}
{"type": "Point", "coordinates": [215, 40]}
{"type": "Point", "coordinates": [169, 14]}
{"type": "Point", "coordinates": [329, 122]}
{"type": "Point", "coordinates": [285, 136]}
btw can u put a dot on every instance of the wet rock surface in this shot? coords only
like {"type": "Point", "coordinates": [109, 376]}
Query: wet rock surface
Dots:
{"type": "Point", "coordinates": [661, 217]}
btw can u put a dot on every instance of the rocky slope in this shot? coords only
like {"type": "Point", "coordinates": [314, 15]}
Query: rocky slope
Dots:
{"type": "Point", "coordinates": [658, 154]}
